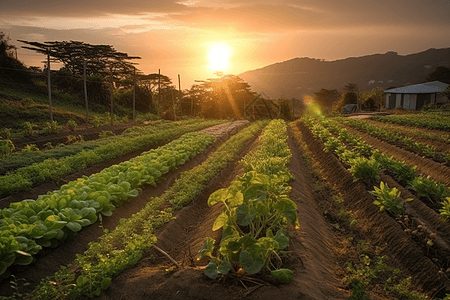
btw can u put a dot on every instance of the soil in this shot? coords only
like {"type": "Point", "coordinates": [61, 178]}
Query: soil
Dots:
{"type": "Point", "coordinates": [316, 253]}
{"type": "Point", "coordinates": [88, 133]}
{"type": "Point", "coordinates": [438, 171]}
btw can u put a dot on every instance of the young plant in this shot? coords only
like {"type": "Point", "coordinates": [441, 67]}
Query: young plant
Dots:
{"type": "Point", "coordinates": [28, 128]}
{"type": "Point", "coordinates": [428, 188]}
{"type": "Point", "coordinates": [389, 199]}
{"type": "Point", "coordinates": [6, 148]}
{"type": "Point", "coordinates": [255, 207]}
{"type": "Point", "coordinates": [365, 169]}
{"type": "Point", "coordinates": [30, 148]}
{"type": "Point", "coordinates": [72, 124]}
{"type": "Point", "coordinates": [445, 210]}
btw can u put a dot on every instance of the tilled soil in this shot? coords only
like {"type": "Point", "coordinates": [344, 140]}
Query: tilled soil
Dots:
{"type": "Point", "coordinates": [380, 228]}
{"type": "Point", "coordinates": [312, 252]}
{"type": "Point", "coordinates": [49, 260]}
{"type": "Point", "coordinates": [310, 256]}
{"type": "Point", "coordinates": [439, 172]}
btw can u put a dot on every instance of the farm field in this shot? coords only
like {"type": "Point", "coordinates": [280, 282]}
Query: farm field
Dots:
{"type": "Point", "coordinates": [339, 244]}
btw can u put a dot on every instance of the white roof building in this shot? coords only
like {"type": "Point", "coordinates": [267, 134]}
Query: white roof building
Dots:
{"type": "Point", "coordinates": [417, 95]}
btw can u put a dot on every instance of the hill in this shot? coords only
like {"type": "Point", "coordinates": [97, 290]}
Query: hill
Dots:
{"type": "Point", "coordinates": [299, 77]}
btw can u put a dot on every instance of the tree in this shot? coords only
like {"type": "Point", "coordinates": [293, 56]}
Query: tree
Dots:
{"type": "Point", "coordinates": [11, 69]}
{"type": "Point", "coordinates": [226, 97]}
{"type": "Point", "coordinates": [99, 59]}
{"type": "Point", "coordinates": [441, 74]}
{"type": "Point", "coordinates": [349, 96]}
{"type": "Point", "coordinates": [373, 99]}
{"type": "Point", "coordinates": [327, 98]}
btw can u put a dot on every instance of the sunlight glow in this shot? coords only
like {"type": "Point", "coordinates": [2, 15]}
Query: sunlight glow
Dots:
{"type": "Point", "coordinates": [218, 57]}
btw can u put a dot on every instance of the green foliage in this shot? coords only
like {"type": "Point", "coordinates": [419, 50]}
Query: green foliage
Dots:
{"type": "Point", "coordinates": [255, 206]}
{"type": "Point", "coordinates": [106, 150]}
{"type": "Point", "coordinates": [28, 128]}
{"type": "Point", "coordinates": [428, 188]}
{"type": "Point", "coordinates": [105, 134]}
{"type": "Point", "coordinates": [6, 148]}
{"type": "Point", "coordinates": [60, 214]}
{"type": "Point", "coordinates": [30, 148]}
{"type": "Point", "coordinates": [125, 245]}
{"type": "Point", "coordinates": [365, 169]}
{"type": "Point", "coordinates": [52, 127]}
{"type": "Point", "coordinates": [389, 199]}
{"type": "Point", "coordinates": [72, 124]}
{"type": "Point", "coordinates": [445, 210]}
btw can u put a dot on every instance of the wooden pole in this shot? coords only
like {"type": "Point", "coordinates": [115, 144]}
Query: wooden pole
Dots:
{"type": "Point", "coordinates": [134, 94]}
{"type": "Point", "coordinates": [49, 85]}
{"type": "Point", "coordinates": [159, 90]}
{"type": "Point", "coordinates": [111, 112]}
{"type": "Point", "coordinates": [179, 93]}
{"type": "Point", "coordinates": [85, 88]}
{"type": "Point", "coordinates": [174, 110]}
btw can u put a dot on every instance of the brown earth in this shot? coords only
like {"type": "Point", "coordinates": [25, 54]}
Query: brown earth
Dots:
{"type": "Point", "coordinates": [315, 253]}
{"type": "Point", "coordinates": [311, 255]}
{"type": "Point", "coordinates": [88, 133]}
{"type": "Point", "coordinates": [440, 146]}
{"type": "Point", "coordinates": [438, 171]}
{"type": "Point", "coordinates": [380, 228]}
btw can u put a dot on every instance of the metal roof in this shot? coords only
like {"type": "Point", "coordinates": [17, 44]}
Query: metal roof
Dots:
{"type": "Point", "coordinates": [422, 88]}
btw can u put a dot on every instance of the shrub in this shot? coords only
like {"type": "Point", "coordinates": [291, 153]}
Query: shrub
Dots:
{"type": "Point", "coordinates": [72, 124]}
{"type": "Point", "coordinates": [6, 148]}
{"type": "Point", "coordinates": [52, 127]}
{"type": "Point", "coordinates": [28, 128]}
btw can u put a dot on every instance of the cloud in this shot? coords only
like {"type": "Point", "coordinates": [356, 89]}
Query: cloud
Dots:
{"type": "Point", "coordinates": [87, 8]}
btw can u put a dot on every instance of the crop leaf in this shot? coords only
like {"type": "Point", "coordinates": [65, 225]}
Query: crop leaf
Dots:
{"type": "Point", "coordinates": [282, 239]}
{"type": "Point", "coordinates": [220, 221]}
{"type": "Point", "coordinates": [106, 282]}
{"type": "Point", "coordinates": [283, 275]}
{"type": "Point", "coordinates": [288, 209]}
{"type": "Point", "coordinates": [252, 261]}
{"type": "Point", "coordinates": [74, 226]}
{"type": "Point", "coordinates": [207, 249]}
{"type": "Point", "coordinates": [245, 214]}
{"type": "Point", "coordinates": [211, 269]}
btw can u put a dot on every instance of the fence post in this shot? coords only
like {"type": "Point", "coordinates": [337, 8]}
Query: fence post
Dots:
{"type": "Point", "coordinates": [49, 85]}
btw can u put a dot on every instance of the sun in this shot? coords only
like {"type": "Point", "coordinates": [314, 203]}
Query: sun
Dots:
{"type": "Point", "coordinates": [219, 54]}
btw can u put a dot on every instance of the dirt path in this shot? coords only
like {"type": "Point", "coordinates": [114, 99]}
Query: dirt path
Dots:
{"type": "Point", "coordinates": [437, 171]}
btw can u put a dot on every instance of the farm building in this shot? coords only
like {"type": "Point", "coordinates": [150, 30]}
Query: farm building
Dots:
{"type": "Point", "coordinates": [416, 96]}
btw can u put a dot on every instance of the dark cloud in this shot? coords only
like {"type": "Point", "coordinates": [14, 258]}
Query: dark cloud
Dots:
{"type": "Point", "coordinates": [87, 8]}
{"type": "Point", "coordinates": [318, 14]}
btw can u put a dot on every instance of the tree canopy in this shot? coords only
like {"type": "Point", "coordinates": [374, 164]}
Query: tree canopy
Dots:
{"type": "Point", "coordinates": [100, 59]}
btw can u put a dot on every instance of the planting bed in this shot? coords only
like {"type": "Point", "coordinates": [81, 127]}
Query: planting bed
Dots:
{"type": "Point", "coordinates": [318, 252]}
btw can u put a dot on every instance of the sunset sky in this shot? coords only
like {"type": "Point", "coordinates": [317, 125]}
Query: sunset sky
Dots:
{"type": "Point", "coordinates": [176, 36]}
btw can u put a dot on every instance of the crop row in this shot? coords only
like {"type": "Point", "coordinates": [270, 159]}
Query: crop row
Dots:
{"type": "Point", "coordinates": [425, 120]}
{"type": "Point", "coordinates": [137, 139]}
{"type": "Point", "coordinates": [256, 211]}
{"type": "Point", "coordinates": [22, 158]}
{"type": "Point", "coordinates": [396, 136]}
{"type": "Point", "coordinates": [124, 246]}
{"type": "Point", "coordinates": [29, 225]}
{"type": "Point", "coordinates": [367, 164]}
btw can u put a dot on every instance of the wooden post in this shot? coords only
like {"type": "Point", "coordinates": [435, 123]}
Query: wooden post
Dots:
{"type": "Point", "coordinates": [179, 93]}
{"type": "Point", "coordinates": [111, 112]}
{"type": "Point", "coordinates": [85, 87]}
{"type": "Point", "coordinates": [134, 94]}
{"type": "Point", "coordinates": [174, 110]}
{"type": "Point", "coordinates": [159, 90]}
{"type": "Point", "coordinates": [49, 85]}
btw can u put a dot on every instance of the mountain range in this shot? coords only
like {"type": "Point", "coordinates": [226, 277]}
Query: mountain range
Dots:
{"type": "Point", "coordinates": [298, 77]}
